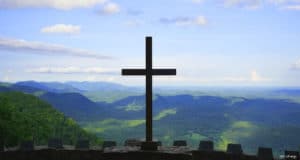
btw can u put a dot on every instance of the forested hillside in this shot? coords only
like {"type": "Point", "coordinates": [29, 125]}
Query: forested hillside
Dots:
{"type": "Point", "coordinates": [26, 117]}
{"type": "Point", "coordinates": [254, 117]}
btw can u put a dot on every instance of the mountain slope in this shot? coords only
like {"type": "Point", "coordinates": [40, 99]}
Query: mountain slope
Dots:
{"type": "Point", "coordinates": [95, 91]}
{"type": "Point", "coordinates": [76, 106]}
{"type": "Point", "coordinates": [73, 105]}
{"type": "Point", "coordinates": [96, 86]}
{"type": "Point", "coordinates": [26, 117]}
{"type": "Point", "coordinates": [48, 86]}
{"type": "Point", "coordinates": [252, 122]}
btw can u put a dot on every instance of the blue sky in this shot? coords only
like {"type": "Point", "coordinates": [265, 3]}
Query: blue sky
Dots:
{"type": "Point", "coordinates": [216, 42]}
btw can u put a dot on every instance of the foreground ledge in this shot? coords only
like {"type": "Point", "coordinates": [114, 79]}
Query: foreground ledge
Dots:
{"type": "Point", "coordinates": [52, 154]}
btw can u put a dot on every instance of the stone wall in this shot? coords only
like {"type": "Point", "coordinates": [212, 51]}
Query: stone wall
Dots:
{"type": "Point", "coordinates": [55, 150]}
{"type": "Point", "coordinates": [52, 154]}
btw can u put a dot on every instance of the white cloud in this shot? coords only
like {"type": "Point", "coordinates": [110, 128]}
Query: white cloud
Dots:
{"type": "Point", "coordinates": [57, 4]}
{"type": "Point", "coordinates": [110, 8]}
{"type": "Point", "coordinates": [254, 4]}
{"type": "Point", "coordinates": [62, 28]}
{"type": "Point", "coordinates": [248, 4]}
{"type": "Point", "coordinates": [6, 78]}
{"type": "Point", "coordinates": [254, 77]}
{"type": "Point", "coordinates": [287, 4]}
{"type": "Point", "coordinates": [292, 7]}
{"type": "Point", "coordinates": [198, 1]}
{"type": "Point", "coordinates": [185, 21]}
{"type": "Point", "coordinates": [133, 23]}
{"type": "Point", "coordinates": [72, 70]}
{"type": "Point", "coordinates": [91, 78]}
{"type": "Point", "coordinates": [101, 78]}
{"type": "Point", "coordinates": [201, 20]}
{"type": "Point", "coordinates": [296, 65]}
{"type": "Point", "coordinates": [21, 46]}
{"type": "Point", "coordinates": [283, 1]}
{"type": "Point", "coordinates": [235, 79]}
{"type": "Point", "coordinates": [277, 1]}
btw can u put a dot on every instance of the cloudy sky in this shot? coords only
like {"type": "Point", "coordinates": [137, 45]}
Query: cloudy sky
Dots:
{"type": "Point", "coordinates": [210, 42]}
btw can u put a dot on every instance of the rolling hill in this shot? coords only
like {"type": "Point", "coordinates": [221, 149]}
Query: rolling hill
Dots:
{"type": "Point", "coordinates": [258, 117]}
{"type": "Point", "coordinates": [77, 106]}
{"type": "Point", "coordinates": [26, 117]}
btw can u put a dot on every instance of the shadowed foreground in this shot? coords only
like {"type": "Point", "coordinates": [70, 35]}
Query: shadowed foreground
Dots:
{"type": "Point", "coordinates": [52, 154]}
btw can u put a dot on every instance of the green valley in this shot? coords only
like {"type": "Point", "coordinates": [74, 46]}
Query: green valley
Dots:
{"type": "Point", "coordinates": [252, 117]}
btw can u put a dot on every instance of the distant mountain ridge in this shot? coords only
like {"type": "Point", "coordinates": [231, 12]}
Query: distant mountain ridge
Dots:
{"type": "Point", "coordinates": [264, 117]}
{"type": "Point", "coordinates": [95, 86]}
{"type": "Point", "coordinates": [73, 86]}
{"type": "Point", "coordinates": [295, 92]}
{"type": "Point", "coordinates": [71, 100]}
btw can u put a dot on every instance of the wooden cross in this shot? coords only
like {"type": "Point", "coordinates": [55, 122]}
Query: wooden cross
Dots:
{"type": "Point", "coordinates": [148, 72]}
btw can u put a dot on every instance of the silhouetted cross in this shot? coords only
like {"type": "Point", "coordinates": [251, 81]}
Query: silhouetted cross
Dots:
{"type": "Point", "coordinates": [148, 72]}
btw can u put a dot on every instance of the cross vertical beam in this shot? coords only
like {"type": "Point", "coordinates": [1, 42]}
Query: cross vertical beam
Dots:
{"type": "Point", "coordinates": [149, 89]}
{"type": "Point", "coordinates": [149, 72]}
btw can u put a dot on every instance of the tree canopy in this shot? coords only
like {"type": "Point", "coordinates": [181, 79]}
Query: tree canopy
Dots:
{"type": "Point", "coordinates": [26, 117]}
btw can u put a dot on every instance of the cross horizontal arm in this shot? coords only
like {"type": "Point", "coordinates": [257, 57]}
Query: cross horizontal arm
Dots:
{"type": "Point", "coordinates": [133, 72]}
{"type": "Point", "coordinates": [157, 72]}
{"type": "Point", "coordinates": [164, 72]}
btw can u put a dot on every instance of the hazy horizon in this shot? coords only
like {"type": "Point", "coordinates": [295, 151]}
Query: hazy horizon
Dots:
{"type": "Point", "coordinates": [189, 87]}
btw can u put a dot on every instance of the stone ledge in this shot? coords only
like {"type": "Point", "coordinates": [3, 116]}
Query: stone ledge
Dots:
{"type": "Point", "coordinates": [52, 154]}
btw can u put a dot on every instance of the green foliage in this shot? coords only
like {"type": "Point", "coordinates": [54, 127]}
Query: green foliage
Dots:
{"type": "Point", "coordinates": [165, 113]}
{"type": "Point", "coordinates": [25, 117]}
{"type": "Point", "coordinates": [109, 96]}
{"type": "Point", "coordinates": [252, 117]}
{"type": "Point", "coordinates": [238, 130]}
{"type": "Point", "coordinates": [132, 107]}
{"type": "Point", "coordinates": [116, 124]}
